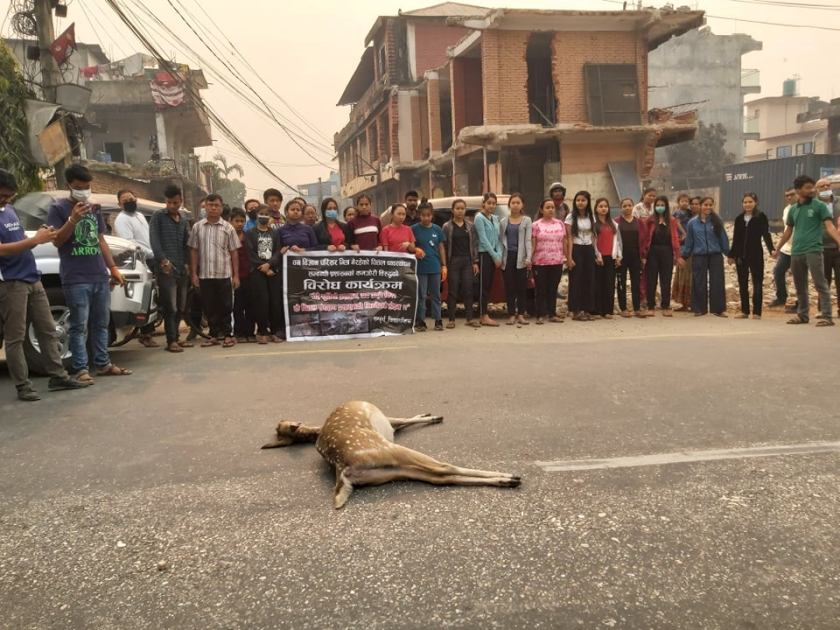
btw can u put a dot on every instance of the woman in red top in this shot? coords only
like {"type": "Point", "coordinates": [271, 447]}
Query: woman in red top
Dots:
{"type": "Point", "coordinates": [608, 251]}
{"type": "Point", "coordinates": [660, 250]}
{"type": "Point", "coordinates": [332, 235]}
{"type": "Point", "coordinates": [396, 236]}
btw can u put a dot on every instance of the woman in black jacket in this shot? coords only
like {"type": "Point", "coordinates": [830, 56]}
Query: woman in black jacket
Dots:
{"type": "Point", "coordinates": [332, 234]}
{"type": "Point", "coordinates": [751, 227]}
{"type": "Point", "coordinates": [265, 284]}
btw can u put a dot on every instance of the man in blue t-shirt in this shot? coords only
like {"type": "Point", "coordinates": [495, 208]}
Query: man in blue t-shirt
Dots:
{"type": "Point", "coordinates": [85, 263]}
{"type": "Point", "coordinates": [22, 299]}
{"type": "Point", "coordinates": [428, 239]}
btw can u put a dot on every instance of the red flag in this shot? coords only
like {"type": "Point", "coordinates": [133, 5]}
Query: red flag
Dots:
{"type": "Point", "coordinates": [63, 46]}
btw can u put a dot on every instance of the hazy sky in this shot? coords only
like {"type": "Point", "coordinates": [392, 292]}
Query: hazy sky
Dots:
{"type": "Point", "coordinates": [306, 51]}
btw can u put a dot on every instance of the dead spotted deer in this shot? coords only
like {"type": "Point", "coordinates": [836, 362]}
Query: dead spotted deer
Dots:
{"type": "Point", "coordinates": [358, 440]}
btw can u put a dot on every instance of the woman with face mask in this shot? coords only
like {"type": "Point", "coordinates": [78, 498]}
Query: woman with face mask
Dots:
{"type": "Point", "coordinates": [660, 250]}
{"type": "Point", "coordinates": [331, 233]}
{"type": "Point", "coordinates": [265, 286]}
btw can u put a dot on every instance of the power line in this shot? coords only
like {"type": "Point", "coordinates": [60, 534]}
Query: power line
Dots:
{"type": "Point", "coordinates": [196, 98]}
{"type": "Point", "coordinates": [793, 5]}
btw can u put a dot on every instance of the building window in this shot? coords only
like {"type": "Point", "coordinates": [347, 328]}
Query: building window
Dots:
{"type": "Point", "coordinates": [381, 64]}
{"type": "Point", "coordinates": [116, 151]}
{"type": "Point", "coordinates": [612, 94]}
{"type": "Point", "coordinates": [783, 152]}
{"type": "Point", "coordinates": [804, 148]}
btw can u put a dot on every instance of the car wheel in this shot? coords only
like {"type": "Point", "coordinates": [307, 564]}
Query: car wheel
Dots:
{"type": "Point", "coordinates": [32, 348]}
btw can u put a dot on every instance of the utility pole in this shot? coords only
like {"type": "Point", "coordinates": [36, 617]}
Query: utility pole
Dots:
{"type": "Point", "coordinates": [320, 194]}
{"type": "Point", "coordinates": [50, 74]}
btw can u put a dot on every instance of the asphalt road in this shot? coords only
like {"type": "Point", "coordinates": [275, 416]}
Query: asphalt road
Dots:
{"type": "Point", "coordinates": [146, 502]}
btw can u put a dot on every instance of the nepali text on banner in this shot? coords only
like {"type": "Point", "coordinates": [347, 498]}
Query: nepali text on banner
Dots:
{"type": "Point", "coordinates": [347, 295]}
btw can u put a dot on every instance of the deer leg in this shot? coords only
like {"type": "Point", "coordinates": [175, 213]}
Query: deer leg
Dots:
{"type": "Point", "coordinates": [379, 476]}
{"type": "Point", "coordinates": [411, 458]}
{"type": "Point", "coordinates": [401, 423]}
{"type": "Point", "coordinates": [343, 488]}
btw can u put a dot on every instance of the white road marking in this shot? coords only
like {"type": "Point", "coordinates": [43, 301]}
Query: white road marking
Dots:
{"type": "Point", "coordinates": [335, 351]}
{"type": "Point", "coordinates": [683, 457]}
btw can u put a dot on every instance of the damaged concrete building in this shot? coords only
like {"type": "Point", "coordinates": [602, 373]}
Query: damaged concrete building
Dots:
{"type": "Point", "coordinates": [456, 99]}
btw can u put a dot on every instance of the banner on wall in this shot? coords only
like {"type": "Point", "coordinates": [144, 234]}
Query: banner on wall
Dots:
{"type": "Point", "coordinates": [349, 295]}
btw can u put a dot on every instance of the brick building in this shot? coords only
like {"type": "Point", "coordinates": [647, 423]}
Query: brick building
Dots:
{"type": "Point", "coordinates": [458, 99]}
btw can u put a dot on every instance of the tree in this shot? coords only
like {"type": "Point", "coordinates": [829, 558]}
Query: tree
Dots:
{"type": "Point", "coordinates": [231, 190]}
{"type": "Point", "coordinates": [14, 128]}
{"type": "Point", "coordinates": [702, 158]}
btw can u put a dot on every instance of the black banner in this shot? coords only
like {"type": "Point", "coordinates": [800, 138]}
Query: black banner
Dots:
{"type": "Point", "coordinates": [347, 295]}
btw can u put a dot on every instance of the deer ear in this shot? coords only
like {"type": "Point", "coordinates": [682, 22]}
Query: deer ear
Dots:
{"type": "Point", "coordinates": [278, 442]}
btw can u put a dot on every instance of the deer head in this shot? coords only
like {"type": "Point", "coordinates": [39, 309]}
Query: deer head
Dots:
{"type": "Point", "coordinates": [289, 432]}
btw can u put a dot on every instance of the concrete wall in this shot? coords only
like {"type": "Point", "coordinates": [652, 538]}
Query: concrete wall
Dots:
{"type": "Point", "coordinates": [132, 128]}
{"type": "Point", "coordinates": [702, 66]}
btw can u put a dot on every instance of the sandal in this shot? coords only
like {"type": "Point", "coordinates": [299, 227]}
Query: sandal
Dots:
{"type": "Point", "coordinates": [186, 344]}
{"type": "Point", "coordinates": [825, 322]}
{"type": "Point", "coordinates": [210, 342]}
{"type": "Point", "coordinates": [522, 321]}
{"type": "Point", "coordinates": [262, 340]}
{"type": "Point", "coordinates": [556, 320]}
{"type": "Point", "coordinates": [626, 314]}
{"type": "Point", "coordinates": [450, 324]}
{"type": "Point", "coordinates": [539, 321]}
{"type": "Point", "coordinates": [84, 377]}
{"type": "Point", "coordinates": [229, 342]}
{"type": "Point", "coordinates": [795, 321]}
{"type": "Point", "coordinates": [473, 324]}
{"type": "Point", "coordinates": [173, 347]}
{"type": "Point", "coordinates": [113, 370]}
{"type": "Point", "coordinates": [148, 342]}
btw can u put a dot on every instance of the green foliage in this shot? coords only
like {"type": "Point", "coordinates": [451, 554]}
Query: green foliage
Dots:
{"type": "Point", "coordinates": [231, 190]}
{"type": "Point", "coordinates": [14, 129]}
{"type": "Point", "coordinates": [703, 157]}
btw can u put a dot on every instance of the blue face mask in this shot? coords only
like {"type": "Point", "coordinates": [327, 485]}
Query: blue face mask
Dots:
{"type": "Point", "coordinates": [331, 214]}
{"type": "Point", "coordinates": [660, 209]}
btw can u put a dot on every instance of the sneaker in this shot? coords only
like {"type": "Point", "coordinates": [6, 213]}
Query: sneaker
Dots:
{"type": "Point", "coordinates": [420, 327]}
{"type": "Point", "coordinates": [59, 383]}
{"type": "Point", "coordinates": [27, 394]}
{"type": "Point", "coordinates": [439, 324]}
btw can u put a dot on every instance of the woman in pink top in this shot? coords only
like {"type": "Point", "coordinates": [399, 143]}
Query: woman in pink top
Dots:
{"type": "Point", "coordinates": [396, 236]}
{"type": "Point", "coordinates": [551, 245]}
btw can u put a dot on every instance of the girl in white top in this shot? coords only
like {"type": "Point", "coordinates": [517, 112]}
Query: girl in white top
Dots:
{"type": "Point", "coordinates": [582, 262]}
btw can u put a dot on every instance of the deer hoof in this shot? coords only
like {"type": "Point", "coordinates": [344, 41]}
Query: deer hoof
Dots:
{"type": "Point", "coordinates": [514, 482]}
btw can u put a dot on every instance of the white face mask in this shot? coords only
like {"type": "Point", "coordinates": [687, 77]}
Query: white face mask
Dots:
{"type": "Point", "coordinates": [80, 195]}
{"type": "Point", "coordinates": [825, 195]}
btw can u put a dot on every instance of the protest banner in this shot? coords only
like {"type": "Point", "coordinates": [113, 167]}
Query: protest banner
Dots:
{"type": "Point", "coordinates": [348, 295]}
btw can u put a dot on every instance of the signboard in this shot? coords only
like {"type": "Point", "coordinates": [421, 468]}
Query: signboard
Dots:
{"type": "Point", "coordinates": [53, 141]}
{"type": "Point", "coordinates": [349, 295]}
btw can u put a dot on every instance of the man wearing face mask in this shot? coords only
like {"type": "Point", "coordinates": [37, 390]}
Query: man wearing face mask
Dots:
{"type": "Point", "coordinates": [85, 263]}
{"type": "Point", "coordinates": [831, 253]}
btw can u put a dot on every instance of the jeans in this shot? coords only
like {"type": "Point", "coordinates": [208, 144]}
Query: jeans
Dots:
{"type": "Point", "coordinates": [547, 280]}
{"type": "Point", "coordinates": [90, 313]}
{"type": "Point", "coordinates": [488, 272]}
{"type": "Point", "coordinates": [460, 285]}
{"type": "Point", "coordinates": [581, 279]}
{"type": "Point", "coordinates": [217, 301]}
{"type": "Point", "coordinates": [604, 286]}
{"type": "Point", "coordinates": [800, 265]}
{"type": "Point", "coordinates": [746, 269]}
{"type": "Point", "coordinates": [631, 265]}
{"type": "Point", "coordinates": [660, 266]}
{"type": "Point", "coordinates": [516, 285]}
{"type": "Point", "coordinates": [22, 302]}
{"type": "Point", "coordinates": [428, 286]}
{"type": "Point", "coordinates": [831, 266]}
{"type": "Point", "coordinates": [708, 291]}
{"type": "Point", "coordinates": [172, 297]}
{"type": "Point", "coordinates": [779, 276]}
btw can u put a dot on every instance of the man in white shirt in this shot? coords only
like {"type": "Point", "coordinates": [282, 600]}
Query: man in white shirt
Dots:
{"type": "Point", "coordinates": [132, 225]}
{"type": "Point", "coordinates": [783, 261]}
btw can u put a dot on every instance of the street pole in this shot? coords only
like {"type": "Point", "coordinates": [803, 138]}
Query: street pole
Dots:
{"type": "Point", "coordinates": [50, 74]}
{"type": "Point", "coordinates": [320, 194]}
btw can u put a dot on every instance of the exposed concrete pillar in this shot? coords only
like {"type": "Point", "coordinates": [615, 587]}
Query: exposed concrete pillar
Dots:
{"type": "Point", "coordinates": [433, 101]}
{"type": "Point", "coordinates": [160, 127]}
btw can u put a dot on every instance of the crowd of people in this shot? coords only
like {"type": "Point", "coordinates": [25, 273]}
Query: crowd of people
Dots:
{"type": "Point", "coordinates": [226, 267]}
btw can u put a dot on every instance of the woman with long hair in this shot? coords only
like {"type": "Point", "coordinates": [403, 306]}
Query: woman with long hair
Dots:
{"type": "Point", "coordinates": [681, 291]}
{"type": "Point", "coordinates": [707, 243]}
{"type": "Point", "coordinates": [489, 253]}
{"type": "Point", "coordinates": [751, 227]}
{"type": "Point", "coordinates": [551, 248]}
{"type": "Point", "coordinates": [607, 258]}
{"type": "Point", "coordinates": [331, 233]}
{"type": "Point", "coordinates": [461, 244]}
{"type": "Point", "coordinates": [397, 236]}
{"type": "Point", "coordinates": [632, 235]}
{"type": "Point", "coordinates": [660, 250]}
{"type": "Point", "coordinates": [580, 223]}
{"type": "Point", "coordinates": [515, 237]}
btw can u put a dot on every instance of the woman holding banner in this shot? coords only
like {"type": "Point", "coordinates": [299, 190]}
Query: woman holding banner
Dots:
{"type": "Point", "coordinates": [332, 235]}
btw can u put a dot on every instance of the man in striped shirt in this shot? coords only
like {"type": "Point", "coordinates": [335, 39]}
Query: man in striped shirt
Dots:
{"type": "Point", "coordinates": [214, 264]}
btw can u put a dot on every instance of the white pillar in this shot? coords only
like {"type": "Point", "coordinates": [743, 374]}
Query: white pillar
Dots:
{"type": "Point", "coordinates": [161, 135]}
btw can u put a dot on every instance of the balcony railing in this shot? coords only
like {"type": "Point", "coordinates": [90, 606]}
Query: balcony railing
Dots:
{"type": "Point", "coordinates": [751, 126]}
{"type": "Point", "coordinates": [750, 80]}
